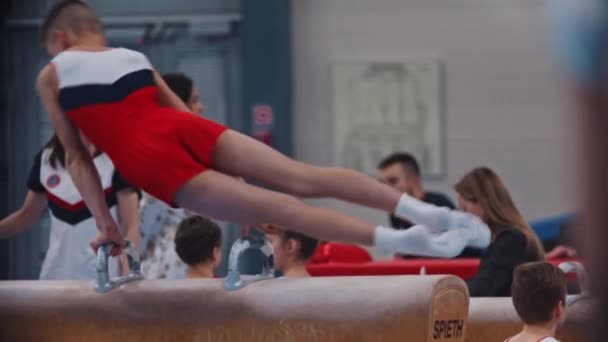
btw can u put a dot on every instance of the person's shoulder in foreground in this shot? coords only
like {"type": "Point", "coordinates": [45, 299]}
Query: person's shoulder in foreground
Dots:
{"type": "Point", "coordinates": [546, 339]}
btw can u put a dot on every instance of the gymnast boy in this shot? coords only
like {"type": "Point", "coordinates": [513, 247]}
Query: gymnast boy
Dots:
{"type": "Point", "coordinates": [120, 102]}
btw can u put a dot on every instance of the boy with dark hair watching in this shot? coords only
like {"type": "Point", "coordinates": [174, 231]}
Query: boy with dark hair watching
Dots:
{"type": "Point", "coordinates": [198, 243]}
{"type": "Point", "coordinates": [539, 297]}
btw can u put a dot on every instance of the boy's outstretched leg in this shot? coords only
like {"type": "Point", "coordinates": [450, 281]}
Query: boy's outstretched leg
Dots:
{"type": "Point", "coordinates": [225, 198]}
{"type": "Point", "coordinates": [239, 155]}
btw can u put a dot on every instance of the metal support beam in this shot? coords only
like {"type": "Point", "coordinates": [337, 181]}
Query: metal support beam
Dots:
{"type": "Point", "coordinates": [142, 20]}
{"type": "Point", "coordinates": [266, 58]}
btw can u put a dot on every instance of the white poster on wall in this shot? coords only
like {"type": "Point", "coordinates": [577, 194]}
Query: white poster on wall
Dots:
{"type": "Point", "coordinates": [385, 107]}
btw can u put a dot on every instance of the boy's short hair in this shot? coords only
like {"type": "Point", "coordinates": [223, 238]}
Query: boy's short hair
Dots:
{"type": "Point", "coordinates": [308, 245]}
{"type": "Point", "coordinates": [537, 288]}
{"type": "Point", "coordinates": [75, 15]}
{"type": "Point", "coordinates": [196, 238]}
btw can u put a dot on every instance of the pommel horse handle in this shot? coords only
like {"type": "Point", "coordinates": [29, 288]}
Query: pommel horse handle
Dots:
{"type": "Point", "coordinates": [104, 282]}
{"type": "Point", "coordinates": [233, 280]}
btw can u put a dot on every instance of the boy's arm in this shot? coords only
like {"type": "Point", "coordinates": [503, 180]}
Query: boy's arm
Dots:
{"type": "Point", "coordinates": [79, 162]}
{"type": "Point", "coordinates": [166, 96]}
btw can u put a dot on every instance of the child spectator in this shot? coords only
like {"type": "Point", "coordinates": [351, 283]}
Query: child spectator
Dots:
{"type": "Point", "coordinates": [292, 251]}
{"type": "Point", "coordinates": [198, 243]}
{"type": "Point", "coordinates": [539, 297]}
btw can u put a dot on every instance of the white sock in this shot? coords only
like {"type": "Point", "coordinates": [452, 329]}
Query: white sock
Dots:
{"type": "Point", "coordinates": [386, 239]}
{"type": "Point", "coordinates": [439, 220]}
{"type": "Point", "coordinates": [418, 212]}
{"type": "Point", "coordinates": [419, 240]}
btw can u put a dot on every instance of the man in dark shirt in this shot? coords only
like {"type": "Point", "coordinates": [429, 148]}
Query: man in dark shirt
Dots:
{"type": "Point", "coordinates": [402, 172]}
